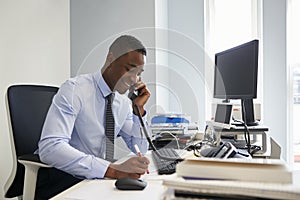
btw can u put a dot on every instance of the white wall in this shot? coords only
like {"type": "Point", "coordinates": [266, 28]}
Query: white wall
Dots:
{"type": "Point", "coordinates": [34, 48]}
{"type": "Point", "coordinates": [275, 102]}
{"type": "Point", "coordinates": [186, 58]}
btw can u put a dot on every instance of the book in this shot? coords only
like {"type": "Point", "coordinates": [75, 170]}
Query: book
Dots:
{"type": "Point", "coordinates": [231, 189]}
{"type": "Point", "coordinates": [258, 170]}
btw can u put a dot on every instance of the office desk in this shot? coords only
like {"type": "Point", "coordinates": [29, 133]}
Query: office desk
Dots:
{"type": "Point", "coordinates": [105, 189]}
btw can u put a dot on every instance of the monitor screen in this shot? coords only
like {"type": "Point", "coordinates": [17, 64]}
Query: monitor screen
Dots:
{"type": "Point", "coordinates": [235, 74]}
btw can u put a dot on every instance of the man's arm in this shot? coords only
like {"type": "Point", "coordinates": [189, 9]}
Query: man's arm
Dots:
{"type": "Point", "coordinates": [131, 132]}
{"type": "Point", "coordinates": [55, 150]}
{"type": "Point", "coordinates": [54, 147]}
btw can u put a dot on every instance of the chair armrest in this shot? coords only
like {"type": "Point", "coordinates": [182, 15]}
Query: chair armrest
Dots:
{"type": "Point", "coordinates": [32, 163]}
{"type": "Point", "coordinates": [32, 159]}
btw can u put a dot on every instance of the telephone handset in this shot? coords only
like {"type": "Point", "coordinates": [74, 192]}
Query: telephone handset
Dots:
{"type": "Point", "coordinates": [132, 93]}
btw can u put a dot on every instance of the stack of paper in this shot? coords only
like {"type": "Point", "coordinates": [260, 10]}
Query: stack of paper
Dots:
{"type": "Point", "coordinates": [232, 189]}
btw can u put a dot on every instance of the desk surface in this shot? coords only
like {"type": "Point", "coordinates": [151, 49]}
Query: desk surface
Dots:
{"type": "Point", "coordinates": [105, 188]}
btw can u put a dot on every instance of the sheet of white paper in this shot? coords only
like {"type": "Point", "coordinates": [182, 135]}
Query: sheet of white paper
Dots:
{"type": "Point", "coordinates": [105, 189]}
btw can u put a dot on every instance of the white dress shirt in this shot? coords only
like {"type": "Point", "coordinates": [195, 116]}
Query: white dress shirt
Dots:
{"type": "Point", "coordinates": [73, 136]}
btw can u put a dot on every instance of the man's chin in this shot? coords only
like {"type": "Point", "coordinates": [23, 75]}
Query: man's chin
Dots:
{"type": "Point", "coordinates": [122, 92]}
{"type": "Point", "coordinates": [122, 87]}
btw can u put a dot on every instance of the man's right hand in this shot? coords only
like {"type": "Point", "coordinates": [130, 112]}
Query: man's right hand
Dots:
{"type": "Point", "coordinates": [133, 167]}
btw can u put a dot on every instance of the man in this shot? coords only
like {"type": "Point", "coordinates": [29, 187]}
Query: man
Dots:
{"type": "Point", "coordinates": [74, 140]}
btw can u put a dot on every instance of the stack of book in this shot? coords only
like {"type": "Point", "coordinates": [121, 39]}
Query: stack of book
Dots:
{"type": "Point", "coordinates": [258, 170]}
{"type": "Point", "coordinates": [233, 179]}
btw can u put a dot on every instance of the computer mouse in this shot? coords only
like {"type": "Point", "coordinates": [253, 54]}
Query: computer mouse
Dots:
{"type": "Point", "coordinates": [130, 184]}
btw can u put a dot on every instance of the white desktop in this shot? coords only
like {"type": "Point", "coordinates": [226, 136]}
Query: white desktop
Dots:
{"type": "Point", "coordinates": [105, 188]}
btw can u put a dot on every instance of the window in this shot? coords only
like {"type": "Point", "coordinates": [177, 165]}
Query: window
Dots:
{"type": "Point", "coordinates": [231, 27]}
{"type": "Point", "coordinates": [294, 68]}
{"type": "Point", "coordinates": [230, 23]}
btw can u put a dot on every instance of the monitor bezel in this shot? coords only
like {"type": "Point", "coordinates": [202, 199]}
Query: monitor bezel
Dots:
{"type": "Point", "coordinates": [226, 96]}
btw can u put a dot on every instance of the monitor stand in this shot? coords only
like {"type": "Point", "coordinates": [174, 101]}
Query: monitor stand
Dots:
{"type": "Point", "coordinates": [248, 112]}
{"type": "Point", "coordinates": [226, 101]}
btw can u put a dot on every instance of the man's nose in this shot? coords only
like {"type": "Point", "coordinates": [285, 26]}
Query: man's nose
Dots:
{"type": "Point", "coordinates": [134, 79]}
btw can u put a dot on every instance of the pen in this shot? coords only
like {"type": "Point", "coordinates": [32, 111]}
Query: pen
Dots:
{"type": "Point", "coordinates": [137, 149]}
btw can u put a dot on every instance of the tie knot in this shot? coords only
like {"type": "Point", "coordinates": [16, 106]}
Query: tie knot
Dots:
{"type": "Point", "coordinates": [110, 97]}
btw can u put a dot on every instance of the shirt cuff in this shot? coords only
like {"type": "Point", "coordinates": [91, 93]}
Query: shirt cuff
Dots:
{"type": "Point", "coordinates": [99, 168]}
{"type": "Point", "coordinates": [137, 120]}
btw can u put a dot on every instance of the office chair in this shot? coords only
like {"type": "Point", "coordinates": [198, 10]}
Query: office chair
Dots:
{"type": "Point", "coordinates": [27, 107]}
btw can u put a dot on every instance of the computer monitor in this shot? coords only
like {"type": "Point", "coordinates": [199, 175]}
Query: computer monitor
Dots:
{"type": "Point", "coordinates": [235, 77]}
{"type": "Point", "coordinates": [223, 116]}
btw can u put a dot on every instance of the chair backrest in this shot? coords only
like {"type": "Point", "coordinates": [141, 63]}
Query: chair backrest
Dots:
{"type": "Point", "coordinates": [27, 107]}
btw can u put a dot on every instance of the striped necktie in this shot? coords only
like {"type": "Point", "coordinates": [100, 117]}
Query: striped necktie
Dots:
{"type": "Point", "coordinates": [110, 129]}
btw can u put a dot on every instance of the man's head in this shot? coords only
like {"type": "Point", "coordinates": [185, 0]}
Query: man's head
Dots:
{"type": "Point", "coordinates": [125, 44]}
{"type": "Point", "coordinates": [124, 63]}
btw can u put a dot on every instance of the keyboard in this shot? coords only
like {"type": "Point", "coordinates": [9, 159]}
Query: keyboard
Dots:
{"type": "Point", "coordinates": [166, 166]}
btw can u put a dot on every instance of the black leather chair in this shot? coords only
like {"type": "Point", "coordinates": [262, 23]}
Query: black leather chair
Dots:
{"type": "Point", "coordinates": [27, 107]}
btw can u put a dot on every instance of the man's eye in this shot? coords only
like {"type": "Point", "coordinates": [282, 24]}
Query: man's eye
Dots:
{"type": "Point", "coordinates": [128, 69]}
{"type": "Point", "coordinates": [132, 70]}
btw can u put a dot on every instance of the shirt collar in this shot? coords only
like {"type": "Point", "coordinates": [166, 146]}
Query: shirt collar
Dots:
{"type": "Point", "coordinates": [102, 85]}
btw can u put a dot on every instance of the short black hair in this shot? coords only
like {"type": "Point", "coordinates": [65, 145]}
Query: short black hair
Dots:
{"type": "Point", "coordinates": [125, 44]}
